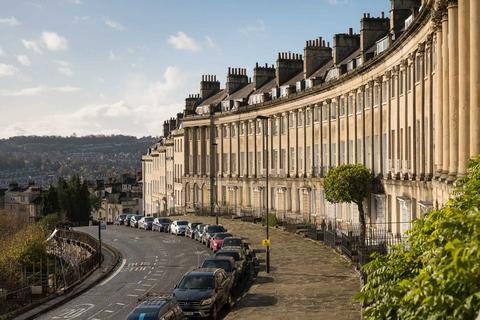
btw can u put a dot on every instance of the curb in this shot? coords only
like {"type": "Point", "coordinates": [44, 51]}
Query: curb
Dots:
{"type": "Point", "coordinates": [117, 257]}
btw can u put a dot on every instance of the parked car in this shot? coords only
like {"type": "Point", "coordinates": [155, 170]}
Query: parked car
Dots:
{"type": "Point", "coordinates": [210, 230]}
{"type": "Point", "coordinates": [199, 230]}
{"type": "Point", "coordinates": [178, 227]}
{"type": "Point", "coordinates": [233, 243]}
{"type": "Point", "coordinates": [145, 223]}
{"type": "Point", "coordinates": [204, 292]}
{"type": "Point", "coordinates": [161, 224]}
{"type": "Point", "coordinates": [134, 220]}
{"type": "Point", "coordinates": [225, 263]}
{"type": "Point", "coordinates": [158, 308]}
{"type": "Point", "coordinates": [216, 240]}
{"type": "Point", "coordinates": [190, 230]}
{"type": "Point", "coordinates": [126, 221]}
{"type": "Point", "coordinates": [238, 256]}
{"type": "Point", "coordinates": [120, 220]}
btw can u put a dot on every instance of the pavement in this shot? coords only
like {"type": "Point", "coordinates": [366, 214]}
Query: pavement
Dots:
{"type": "Point", "coordinates": [307, 279]}
{"type": "Point", "coordinates": [152, 262]}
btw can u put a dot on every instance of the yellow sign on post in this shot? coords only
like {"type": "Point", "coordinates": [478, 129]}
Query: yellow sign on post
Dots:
{"type": "Point", "coordinates": [266, 242]}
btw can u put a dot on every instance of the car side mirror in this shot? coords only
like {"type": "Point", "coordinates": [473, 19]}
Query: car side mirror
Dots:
{"type": "Point", "coordinates": [176, 286]}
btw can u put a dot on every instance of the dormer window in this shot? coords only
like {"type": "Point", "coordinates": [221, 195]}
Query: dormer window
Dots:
{"type": "Point", "coordinates": [408, 22]}
{"type": "Point", "coordinates": [382, 44]}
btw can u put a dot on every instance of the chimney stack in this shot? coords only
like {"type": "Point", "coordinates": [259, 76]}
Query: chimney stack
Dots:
{"type": "Point", "coordinates": [400, 10]}
{"type": "Point", "coordinates": [209, 86]}
{"type": "Point", "coordinates": [262, 74]}
{"type": "Point", "coordinates": [236, 79]}
{"type": "Point", "coordinates": [288, 65]}
{"type": "Point", "coordinates": [344, 44]}
{"type": "Point", "coordinates": [316, 54]}
{"type": "Point", "coordinates": [371, 30]}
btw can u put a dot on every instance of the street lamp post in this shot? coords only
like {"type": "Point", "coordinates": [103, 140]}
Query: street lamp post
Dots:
{"type": "Point", "coordinates": [265, 136]}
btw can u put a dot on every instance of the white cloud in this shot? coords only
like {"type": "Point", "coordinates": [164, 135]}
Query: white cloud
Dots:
{"type": "Point", "coordinates": [256, 29]}
{"type": "Point", "coordinates": [112, 56]}
{"type": "Point", "coordinates": [9, 21]}
{"type": "Point", "coordinates": [54, 41]}
{"type": "Point", "coordinates": [2, 52]}
{"type": "Point", "coordinates": [23, 60]}
{"type": "Point", "coordinates": [141, 111]}
{"type": "Point", "coordinates": [64, 67]}
{"type": "Point", "coordinates": [114, 25]}
{"type": "Point", "coordinates": [39, 91]}
{"type": "Point", "coordinates": [75, 1]}
{"type": "Point", "coordinates": [7, 70]}
{"type": "Point", "coordinates": [31, 45]}
{"type": "Point", "coordinates": [181, 41]}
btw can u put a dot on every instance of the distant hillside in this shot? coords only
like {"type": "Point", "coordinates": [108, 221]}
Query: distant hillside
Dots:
{"type": "Point", "coordinates": [36, 157]}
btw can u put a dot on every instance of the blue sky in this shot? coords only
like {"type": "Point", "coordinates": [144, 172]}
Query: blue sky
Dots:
{"type": "Point", "coordinates": [118, 66]}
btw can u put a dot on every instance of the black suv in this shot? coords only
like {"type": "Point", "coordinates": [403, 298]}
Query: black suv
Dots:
{"type": "Point", "coordinates": [204, 292]}
{"type": "Point", "coordinates": [161, 308]}
{"type": "Point", "coordinates": [210, 230]}
{"type": "Point", "coordinates": [226, 263]}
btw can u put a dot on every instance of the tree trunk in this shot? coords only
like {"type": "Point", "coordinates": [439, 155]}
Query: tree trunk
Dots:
{"type": "Point", "coordinates": [363, 227]}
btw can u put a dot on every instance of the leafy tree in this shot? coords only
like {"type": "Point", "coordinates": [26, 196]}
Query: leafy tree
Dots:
{"type": "Point", "coordinates": [349, 183]}
{"type": "Point", "coordinates": [50, 202]}
{"type": "Point", "coordinates": [435, 273]}
{"type": "Point", "coordinates": [74, 199]}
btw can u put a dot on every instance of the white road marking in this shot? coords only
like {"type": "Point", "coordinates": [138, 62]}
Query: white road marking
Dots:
{"type": "Point", "coordinates": [132, 295]}
{"type": "Point", "coordinates": [109, 311]}
{"type": "Point", "coordinates": [139, 282]}
{"type": "Point", "coordinates": [115, 273]}
{"type": "Point", "coordinates": [120, 304]}
{"type": "Point", "coordinates": [139, 289]}
{"type": "Point", "coordinates": [74, 312]}
{"type": "Point", "coordinates": [152, 279]}
{"type": "Point", "coordinates": [146, 285]}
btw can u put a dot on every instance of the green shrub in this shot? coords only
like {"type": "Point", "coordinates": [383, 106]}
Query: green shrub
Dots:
{"type": "Point", "coordinates": [435, 274]}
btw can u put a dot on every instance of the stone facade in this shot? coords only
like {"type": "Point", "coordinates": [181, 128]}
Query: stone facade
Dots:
{"type": "Point", "coordinates": [402, 97]}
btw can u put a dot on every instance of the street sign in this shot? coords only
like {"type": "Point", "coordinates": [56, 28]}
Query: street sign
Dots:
{"type": "Point", "coordinates": [266, 242]}
{"type": "Point", "coordinates": [103, 225]}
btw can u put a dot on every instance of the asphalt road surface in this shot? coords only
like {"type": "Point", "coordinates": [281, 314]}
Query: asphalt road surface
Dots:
{"type": "Point", "coordinates": [153, 262]}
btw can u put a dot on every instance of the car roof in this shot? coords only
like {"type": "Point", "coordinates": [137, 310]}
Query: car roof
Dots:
{"type": "Point", "coordinates": [234, 238]}
{"type": "Point", "coordinates": [220, 258]}
{"type": "Point", "coordinates": [203, 271]}
{"type": "Point", "coordinates": [231, 249]}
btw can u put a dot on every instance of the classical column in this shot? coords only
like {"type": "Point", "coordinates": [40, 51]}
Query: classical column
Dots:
{"type": "Point", "coordinates": [254, 123]}
{"type": "Point", "coordinates": [347, 127]}
{"type": "Point", "coordinates": [421, 130]}
{"type": "Point", "coordinates": [398, 160]}
{"type": "Point", "coordinates": [247, 158]}
{"type": "Point", "coordinates": [413, 138]}
{"type": "Point", "coordinates": [194, 150]}
{"type": "Point", "coordinates": [305, 155]}
{"type": "Point", "coordinates": [474, 78]}
{"type": "Point", "coordinates": [329, 147]}
{"type": "Point", "coordinates": [355, 126]}
{"type": "Point", "coordinates": [364, 138]}
{"type": "Point", "coordinates": [430, 165]}
{"type": "Point", "coordinates": [463, 85]}
{"type": "Point", "coordinates": [296, 143]}
{"type": "Point", "coordinates": [438, 110]}
{"type": "Point", "coordinates": [186, 151]}
{"type": "Point", "coordinates": [389, 152]}
{"type": "Point", "coordinates": [406, 155]}
{"type": "Point", "coordinates": [380, 124]}
{"type": "Point", "coordinates": [320, 147]}
{"type": "Point", "coordinates": [372, 125]}
{"type": "Point", "coordinates": [288, 145]}
{"type": "Point", "coordinates": [445, 91]}
{"type": "Point", "coordinates": [238, 124]}
{"type": "Point", "coordinates": [337, 107]}
{"type": "Point", "coordinates": [313, 111]}
{"type": "Point", "coordinates": [453, 87]}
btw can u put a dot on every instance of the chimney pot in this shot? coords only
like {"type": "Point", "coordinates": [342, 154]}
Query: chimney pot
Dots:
{"type": "Point", "coordinates": [383, 15]}
{"type": "Point", "coordinates": [350, 31]}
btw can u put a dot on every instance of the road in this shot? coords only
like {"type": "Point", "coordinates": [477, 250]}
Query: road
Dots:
{"type": "Point", "coordinates": [152, 262]}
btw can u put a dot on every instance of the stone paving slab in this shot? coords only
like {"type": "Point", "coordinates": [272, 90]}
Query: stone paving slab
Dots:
{"type": "Point", "coordinates": [307, 279]}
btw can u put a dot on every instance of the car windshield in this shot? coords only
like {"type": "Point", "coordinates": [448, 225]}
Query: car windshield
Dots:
{"type": "Point", "coordinates": [182, 223]}
{"type": "Point", "coordinates": [197, 282]}
{"type": "Point", "coordinates": [149, 219]}
{"type": "Point", "coordinates": [215, 229]}
{"type": "Point", "coordinates": [221, 236]}
{"type": "Point", "coordinates": [234, 255]}
{"type": "Point", "coordinates": [122, 216]}
{"type": "Point", "coordinates": [232, 242]}
{"type": "Point", "coordinates": [164, 220]}
{"type": "Point", "coordinates": [138, 217]}
{"type": "Point", "coordinates": [223, 264]}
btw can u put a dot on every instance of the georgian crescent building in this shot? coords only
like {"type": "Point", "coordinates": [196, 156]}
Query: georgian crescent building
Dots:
{"type": "Point", "coordinates": [401, 97]}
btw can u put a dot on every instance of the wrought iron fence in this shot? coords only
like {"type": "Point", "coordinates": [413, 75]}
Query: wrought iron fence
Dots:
{"type": "Point", "coordinates": [71, 257]}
